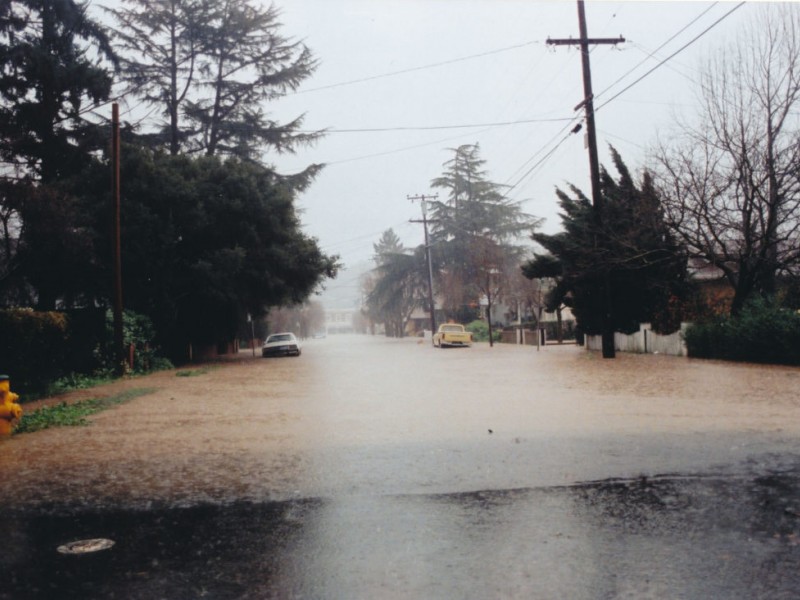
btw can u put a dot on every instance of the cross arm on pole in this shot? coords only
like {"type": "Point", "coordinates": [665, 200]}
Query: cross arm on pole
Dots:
{"type": "Point", "coordinates": [579, 41]}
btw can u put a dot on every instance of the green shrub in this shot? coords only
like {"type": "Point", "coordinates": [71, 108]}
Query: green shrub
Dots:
{"type": "Point", "coordinates": [33, 347]}
{"type": "Point", "coordinates": [763, 332]}
{"type": "Point", "coordinates": [77, 381]}
{"type": "Point", "coordinates": [480, 331]}
{"type": "Point", "coordinates": [51, 352]}
{"type": "Point", "coordinates": [137, 330]}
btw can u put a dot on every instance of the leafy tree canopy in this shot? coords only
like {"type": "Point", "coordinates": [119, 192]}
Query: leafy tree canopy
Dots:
{"type": "Point", "coordinates": [205, 242]}
{"type": "Point", "coordinates": [398, 286]}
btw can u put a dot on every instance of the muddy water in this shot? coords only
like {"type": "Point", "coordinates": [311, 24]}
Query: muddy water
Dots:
{"type": "Point", "coordinates": [373, 468]}
{"type": "Point", "coordinates": [357, 415]}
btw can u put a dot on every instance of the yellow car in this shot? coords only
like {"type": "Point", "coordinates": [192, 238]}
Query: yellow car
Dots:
{"type": "Point", "coordinates": [452, 334]}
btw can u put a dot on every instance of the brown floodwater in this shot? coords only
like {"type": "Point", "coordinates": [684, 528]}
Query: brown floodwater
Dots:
{"type": "Point", "coordinates": [359, 413]}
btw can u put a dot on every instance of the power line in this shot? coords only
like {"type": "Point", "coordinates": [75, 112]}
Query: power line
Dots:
{"type": "Point", "coordinates": [436, 127]}
{"type": "Point", "coordinates": [372, 236]}
{"type": "Point", "coordinates": [676, 34]}
{"type": "Point", "coordinates": [674, 54]}
{"type": "Point", "coordinates": [552, 150]}
{"type": "Point", "coordinates": [627, 141]}
{"type": "Point", "coordinates": [542, 160]}
{"type": "Point", "coordinates": [413, 69]}
{"type": "Point", "coordinates": [405, 148]}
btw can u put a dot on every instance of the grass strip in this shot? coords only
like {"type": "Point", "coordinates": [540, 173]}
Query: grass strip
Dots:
{"type": "Point", "coordinates": [72, 415]}
{"type": "Point", "coordinates": [194, 372]}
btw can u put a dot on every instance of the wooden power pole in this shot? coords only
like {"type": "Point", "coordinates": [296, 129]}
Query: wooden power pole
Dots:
{"type": "Point", "coordinates": [594, 167]}
{"type": "Point", "coordinates": [119, 350]}
{"type": "Point", "coordinates": [431, 305]}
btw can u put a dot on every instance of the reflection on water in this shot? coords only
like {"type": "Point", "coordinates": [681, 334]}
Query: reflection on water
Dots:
{"type": "Point", "coordinates": [666, 537]}
{"type": "Point", "coordinates": [352, 472]}
{"type": "Point", "coordinates": [202, 551]}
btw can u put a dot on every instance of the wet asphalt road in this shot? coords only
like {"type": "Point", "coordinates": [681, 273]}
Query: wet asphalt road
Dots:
{"type": "Point", "coordinates": [403, 492]}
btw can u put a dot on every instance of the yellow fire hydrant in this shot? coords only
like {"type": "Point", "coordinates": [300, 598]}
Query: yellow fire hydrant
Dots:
{"type": "Point", "coordinates": [10, 411]}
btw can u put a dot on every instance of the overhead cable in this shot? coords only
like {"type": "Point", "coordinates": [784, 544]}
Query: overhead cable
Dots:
{"type": "Point", "coordinates": [652, 54]}
{"type": "Point", "coordinates": [542, 160]}
{"type": "Point", "coordinates": [435, 127]}
{"type": "Point", "coordinates": [413, 69]}
{"type": "Point", "coordinates": [674, 54]}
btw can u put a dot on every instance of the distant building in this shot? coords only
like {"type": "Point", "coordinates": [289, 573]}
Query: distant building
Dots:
{"type": "Point", "coordinates": [340, 320]}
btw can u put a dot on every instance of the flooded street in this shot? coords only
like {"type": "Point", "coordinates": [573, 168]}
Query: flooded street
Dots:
{"type": "Point", "coordinates": [376, 468]}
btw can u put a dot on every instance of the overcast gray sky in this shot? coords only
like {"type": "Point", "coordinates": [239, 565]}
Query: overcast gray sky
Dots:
{"type": "Point", "coordinates": [402, 82]}
{"type": "Point", "coordinates": [435, 74]}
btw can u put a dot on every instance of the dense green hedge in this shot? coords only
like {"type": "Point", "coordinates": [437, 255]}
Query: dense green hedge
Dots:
{"type": "Point", "coordinates": [33, 347]}
{"type": "Point", "coordinates": [762, 332]}
{"type": "Point", "coordinates": [46, 351]}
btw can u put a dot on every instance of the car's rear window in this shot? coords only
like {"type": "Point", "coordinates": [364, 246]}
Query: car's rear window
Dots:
{"type": "Point", "coordinates": [280, 338]}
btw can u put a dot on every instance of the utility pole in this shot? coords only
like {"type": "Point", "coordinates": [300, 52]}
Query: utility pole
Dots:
{"type": "Point", "coordinates": [119, 350]}
{"type": "Point", "coordinates": [594, 168]}
{"type": "Point", "coordinates": [423, 201]}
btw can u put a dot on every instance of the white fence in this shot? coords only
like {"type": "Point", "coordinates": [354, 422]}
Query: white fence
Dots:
{"type": "Point", "coordinates": [644, 341]}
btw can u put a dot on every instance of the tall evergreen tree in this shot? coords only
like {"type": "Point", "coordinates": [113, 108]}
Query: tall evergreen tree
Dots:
{"type": "Point", "coordinates": [395, 287]}
{"type": "Point", "coordinates": [388, 245]}
{"type": "Point", "coordinates": [212, 65]}
{"type": "Point", "coordinates": [51, 68]}
{"type": "Point", "coordinates": [54, 64]}
{"type": "Point", "coordinates": [161, 48]}
{"type": "Point", "coordinates": [633, 251]}
{"type": "Point", "coordinates": [475, 232]}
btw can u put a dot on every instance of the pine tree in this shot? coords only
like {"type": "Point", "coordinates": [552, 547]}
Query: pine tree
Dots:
{"type": "Point", "coordinates": [211, 66]}
{"type": "Point", "coordinates": [161, 49]}
{"type": "Point", "coordinates": [54, 65]}
{"type": "Point", "coordinates": [385, 247]}
{"type": "Point", "coordinates": [633, 251]}
{"type": "Point", "coordinates": [474, 234]}
{"type": "Point", "coordinates": [51, 68]}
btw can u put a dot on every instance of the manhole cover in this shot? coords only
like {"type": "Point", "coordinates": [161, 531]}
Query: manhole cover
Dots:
{"type": "Point", "coordinates": [86, 546]}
